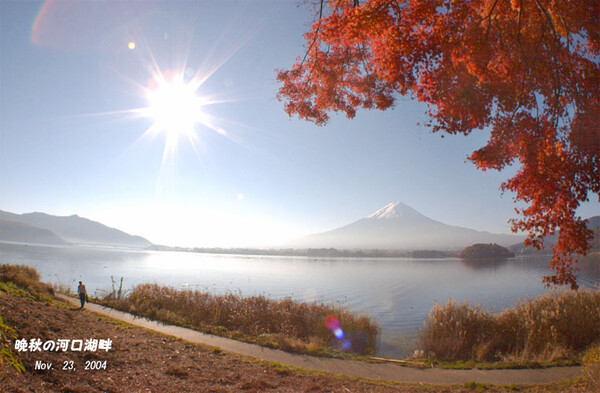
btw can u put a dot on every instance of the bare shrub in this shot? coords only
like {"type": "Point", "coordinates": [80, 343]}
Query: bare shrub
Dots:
{"type": "Point", "coordinates": [554, 326]}
{"type": "Point", "coordinates": [289, 322]}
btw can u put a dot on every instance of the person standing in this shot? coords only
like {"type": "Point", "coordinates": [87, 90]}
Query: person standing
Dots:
{"type": "Point", "coordinates": [82, 292]}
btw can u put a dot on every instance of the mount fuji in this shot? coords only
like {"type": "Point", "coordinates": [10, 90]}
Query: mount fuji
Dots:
{"type": "Point", "coordinates": [398, 226]}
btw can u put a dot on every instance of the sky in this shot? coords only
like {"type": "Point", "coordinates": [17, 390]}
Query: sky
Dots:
{"type": "Point", "coordinates": [91, 124]}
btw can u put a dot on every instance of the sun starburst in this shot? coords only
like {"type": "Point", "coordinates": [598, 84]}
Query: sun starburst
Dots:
{"type": "Point", "coordinates": [175, 107]}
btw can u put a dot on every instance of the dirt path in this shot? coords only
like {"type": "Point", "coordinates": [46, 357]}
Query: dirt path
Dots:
{"type": "Point", "coordinates": [353, 368]}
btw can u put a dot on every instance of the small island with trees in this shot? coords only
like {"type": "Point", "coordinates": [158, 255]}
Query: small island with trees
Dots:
{"type": "Point", "coordinates": [485, 251]}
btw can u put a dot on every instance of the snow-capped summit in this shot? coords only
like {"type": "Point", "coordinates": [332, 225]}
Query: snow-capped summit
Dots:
{"type": "Point", "coordinates": [395, 210]}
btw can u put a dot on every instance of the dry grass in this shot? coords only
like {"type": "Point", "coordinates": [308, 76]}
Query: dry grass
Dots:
{"type": "Point", "coordinates": [455, 330]}
{"type": "Point", "coordinates": [17, 278]}
{"type": "Point", "coordinates": [555, 326]}
{"type": "Point", "coordinates": [591, 368]}
{"type": "Point", "coordinates": [285, 324]}
{"type": "Point", "coordinates": [26, 278]}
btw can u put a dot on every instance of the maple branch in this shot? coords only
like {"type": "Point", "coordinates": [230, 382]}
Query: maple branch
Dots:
{"type": "Point", "coordinates": [362, 57]}
{"type": "Point", "coordinates": [489, 18]}
{"type": "Point", "coordinates": [570, 60]}
{"type": "Point", "coordinates": [548, 16]}
{"type": "Point", "coordinates": [525, 60]}
{"type": "Point", "coordinates": [316, 33]}
{"type": "Point", "coordinates": [553, 48]}
{"type": "Point", "coordinates": [523, 55]}
{"type": "Point", "coordinates": [500, 34]}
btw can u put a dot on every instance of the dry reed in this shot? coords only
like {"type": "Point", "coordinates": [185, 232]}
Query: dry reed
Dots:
{"type": "Point", "coordinates": [285, 324]}
{"type": "Point", "coordinates": [558, 325]}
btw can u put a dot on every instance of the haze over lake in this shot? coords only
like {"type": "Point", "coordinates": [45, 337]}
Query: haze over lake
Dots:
{"type": "Point", "coordinates": [397, 292]}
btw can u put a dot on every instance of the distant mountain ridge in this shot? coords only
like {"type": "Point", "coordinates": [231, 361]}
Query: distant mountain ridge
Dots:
{"type": "Point", "coordinates": [19, 232]}
{"type": "Point", "coordinates": [71, 229]}
{"type": "Point", "coordinates": [399, 226]}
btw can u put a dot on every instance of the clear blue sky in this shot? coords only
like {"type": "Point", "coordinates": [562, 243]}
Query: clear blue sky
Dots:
{"type": "Point", "coordinates": [71, 141]}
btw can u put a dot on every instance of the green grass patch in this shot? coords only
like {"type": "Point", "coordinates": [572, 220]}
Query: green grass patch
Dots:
{"type": "Point", "coordinates": [591, 368]}
{"type": "Point", "coordinates": [7, 355]}
{"type": "Point", "coordinates": [498, 365]}
{"type": "Point", "coordinates": [282, 324]}
{"type": "Point", "coordinates": [115, 322]}
{"type": "Point", "coordinates": [27, 279]}
{"type": "Point", "coordinates": [12, 289]}
{"type": "Point", "coordinates": [480, 387]}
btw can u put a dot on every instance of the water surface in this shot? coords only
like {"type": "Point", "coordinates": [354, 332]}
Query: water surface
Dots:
{"type": "Point", "coordinates": [397, 292]}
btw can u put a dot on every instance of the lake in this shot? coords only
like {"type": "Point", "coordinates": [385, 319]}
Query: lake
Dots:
{"type": "Point", "coordinates": [397, 292]}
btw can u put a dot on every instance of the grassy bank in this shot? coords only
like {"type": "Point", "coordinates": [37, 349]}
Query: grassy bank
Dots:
{"type": "Point", "coordinates": [557, 326]}
{"type": "Point", "coordinates": [24, 278]}
{"type": "Point", "coordinates": [139, 360]}
{"type": "Point", "coordinates": [285, 324]}
{"type": "Point", "coordinates": [22, 281]}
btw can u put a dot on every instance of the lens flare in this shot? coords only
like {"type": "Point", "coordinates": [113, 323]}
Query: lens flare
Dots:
{"type": "Point", "coordinates": [333, 324]}
{"type": "Point", "coordinates": [346, 345]}
{"type": "Point", "coordinates": [338, 333]}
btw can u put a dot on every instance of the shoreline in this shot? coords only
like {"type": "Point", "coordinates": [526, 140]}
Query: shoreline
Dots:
{"type": "Point", "coordinates": [139, 358]}
{"type": "Point", "coordinates": [394, 370]}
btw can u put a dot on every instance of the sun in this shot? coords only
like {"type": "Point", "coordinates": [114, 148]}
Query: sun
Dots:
{"type": "Point", "coordinates": [175, 107]}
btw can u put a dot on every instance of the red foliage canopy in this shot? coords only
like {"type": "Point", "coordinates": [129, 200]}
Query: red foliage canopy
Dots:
{"type": "Point", "coordinates": [528, 70]}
